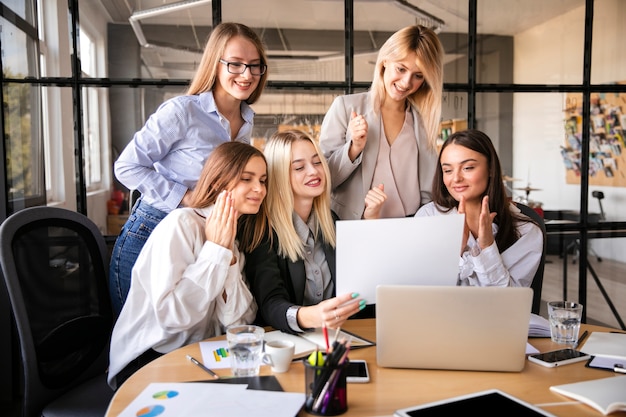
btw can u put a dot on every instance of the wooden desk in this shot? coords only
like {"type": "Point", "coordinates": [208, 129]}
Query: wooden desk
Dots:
{"type": "Point", "coordinates": [391, 389]}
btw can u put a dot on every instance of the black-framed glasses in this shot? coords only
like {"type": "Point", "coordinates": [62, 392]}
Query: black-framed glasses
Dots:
{"type": "Point", "coordinates": [240, 67]}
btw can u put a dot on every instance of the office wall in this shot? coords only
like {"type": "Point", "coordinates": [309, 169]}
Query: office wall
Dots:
{"type": "Point", "coordinates": [538, 128]}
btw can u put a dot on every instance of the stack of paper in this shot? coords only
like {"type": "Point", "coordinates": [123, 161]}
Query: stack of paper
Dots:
{"type": "Point", "coordinates": [607, 395]}
{"type": "Point", "coordinates": [538, 326]}
{"type": "Point", "coordinates": [201, 399]}
{"type": "Point", "coordinates": [307, 342]}
{"type": "Point", "coordinates": [606, 344]}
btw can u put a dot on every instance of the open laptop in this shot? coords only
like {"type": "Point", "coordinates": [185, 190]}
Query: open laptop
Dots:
{"type": "Point", "coordinates": [458, 328]}
{"type": "Point", "coordinates": [411, 250]}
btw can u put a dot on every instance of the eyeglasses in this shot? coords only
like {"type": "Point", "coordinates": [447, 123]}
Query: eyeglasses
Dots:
{"type": "Point", "coordinates": [240, 67]}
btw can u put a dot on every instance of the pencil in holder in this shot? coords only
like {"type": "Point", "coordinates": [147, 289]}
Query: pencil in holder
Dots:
{"type": "Point", "coordinates": [326, 388]}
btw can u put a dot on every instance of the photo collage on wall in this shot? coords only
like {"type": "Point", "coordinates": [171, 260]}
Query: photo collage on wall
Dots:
{"type": "Point", "coordinates": [607, 146]}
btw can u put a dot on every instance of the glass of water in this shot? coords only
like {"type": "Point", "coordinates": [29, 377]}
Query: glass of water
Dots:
{"type": "Point", "coordinates": [245, 346]}
{"type": "Point", "coordinates": [565, 317]}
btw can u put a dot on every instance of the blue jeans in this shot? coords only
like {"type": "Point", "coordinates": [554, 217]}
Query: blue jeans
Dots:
{"type": "Point", "coordinates": [133, 236]}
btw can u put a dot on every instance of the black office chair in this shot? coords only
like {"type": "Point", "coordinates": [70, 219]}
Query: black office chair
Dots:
{"type": "Point", "coordinates": [55, 266]}
{"type": "Point", "coordinates": [537, 283]}
{"type": "Point", "coordinates": [600, 196]}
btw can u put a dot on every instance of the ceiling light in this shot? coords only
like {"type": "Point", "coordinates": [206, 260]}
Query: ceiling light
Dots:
{"type": "Point", "coordinates": [157, 11]}
{"type": "Point", "coordinates": [426, 19]}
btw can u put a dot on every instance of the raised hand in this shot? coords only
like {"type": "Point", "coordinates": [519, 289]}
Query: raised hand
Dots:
{"type": "Point", "coordinates": [221, 225]}
{"type": "Point", "coordinates": [485, 222]}
{"type": "Point", "coordinates": [374, 201]}
{"type": "Point", "coordinates": [358, 132]}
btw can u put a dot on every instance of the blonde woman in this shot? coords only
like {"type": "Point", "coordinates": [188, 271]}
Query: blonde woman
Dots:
{"type": "Point", "coordinates": [164, 159]}
{"type": "Point", "coordinates": [385, 139]}
{"type": "Point", "coordinates": [292, 273]}
{"type": "Point", "coordinates": [188, 283]}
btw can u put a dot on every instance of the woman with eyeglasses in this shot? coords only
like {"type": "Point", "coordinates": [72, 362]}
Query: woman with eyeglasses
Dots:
{"type": "Point", "coordinates": [384, 140]}
{"type": "Point", "coordinates": [164, 159]}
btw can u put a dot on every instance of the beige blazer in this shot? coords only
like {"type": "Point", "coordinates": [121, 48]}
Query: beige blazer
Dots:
{"type": "Point", "coordinates": [352, 180]}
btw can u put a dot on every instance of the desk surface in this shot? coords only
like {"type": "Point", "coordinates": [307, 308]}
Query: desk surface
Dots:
{"type": "Point", "coordinates": [391, 389]}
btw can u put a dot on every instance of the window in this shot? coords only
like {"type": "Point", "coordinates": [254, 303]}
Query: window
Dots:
{"type": "Point", "coordinates": [92, 149]}
{"type": "Point", "coordinates": [23, 165]}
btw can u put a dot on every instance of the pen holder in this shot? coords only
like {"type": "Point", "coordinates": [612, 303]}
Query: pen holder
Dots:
{"type": "Point", "coordinates": [325, 389]}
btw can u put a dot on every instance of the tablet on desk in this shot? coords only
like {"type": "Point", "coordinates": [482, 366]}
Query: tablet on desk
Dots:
{"type": "Point", "coordinates": [484, 403]}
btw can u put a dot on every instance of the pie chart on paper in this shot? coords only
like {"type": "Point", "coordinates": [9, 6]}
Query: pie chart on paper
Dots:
{"type": "Point", "coordinates": [151, 411]}
{"type": "Point", "coordinates": [164, 395]}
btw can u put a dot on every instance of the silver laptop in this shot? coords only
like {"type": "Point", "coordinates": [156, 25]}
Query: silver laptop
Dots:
{"type": "Point", "coordinates": [457, 328]}
{"type": "Point", "coordinates": [411, 250]}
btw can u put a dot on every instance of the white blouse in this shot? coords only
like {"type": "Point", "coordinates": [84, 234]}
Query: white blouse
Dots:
{"type": "Point", "coordinates": [515, 267]}
{"type": "Point", "coordinates": [176, 289]}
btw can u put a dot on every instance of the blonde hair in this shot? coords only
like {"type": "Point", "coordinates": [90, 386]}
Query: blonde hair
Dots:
{"type": "Point", "coordinates": [280, 201]}
{"type": "Point", "coordinates": [429, 50]}
{"type": "Point", "coordinates": [222, 171]}
{"type": "Point", "coordinates": [206, 76]}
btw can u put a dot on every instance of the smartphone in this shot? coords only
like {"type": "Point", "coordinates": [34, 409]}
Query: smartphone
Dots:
{"type": "Point", "coordinates": [558, 357]}
{"type": "Point", "coordinates": [357, 371]}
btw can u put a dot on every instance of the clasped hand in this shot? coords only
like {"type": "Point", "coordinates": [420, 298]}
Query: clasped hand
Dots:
{"type": "Point", "coordinates": [358, 133]}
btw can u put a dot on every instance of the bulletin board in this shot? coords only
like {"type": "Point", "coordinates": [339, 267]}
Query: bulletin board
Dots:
{"type": "Point", "coordinates": [607, 146]}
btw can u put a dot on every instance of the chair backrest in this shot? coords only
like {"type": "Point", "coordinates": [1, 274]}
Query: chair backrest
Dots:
{"type": "Point", "coordinates": [599, 195]}
{"type": "Point", "coordinates": [537, 283]}
{"type": "Point", "coordinates": [55, 266]}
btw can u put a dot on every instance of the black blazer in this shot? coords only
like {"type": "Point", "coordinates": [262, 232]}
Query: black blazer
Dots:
{"type": "Point", "coordinates": [277, 283]}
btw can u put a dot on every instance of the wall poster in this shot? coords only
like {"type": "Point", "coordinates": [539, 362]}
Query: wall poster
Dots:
{"type": "Point", "coordinates": [607, 147]}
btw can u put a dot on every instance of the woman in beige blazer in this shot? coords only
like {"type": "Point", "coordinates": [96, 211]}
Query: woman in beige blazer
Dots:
{"type": "Point", "coordinates": [384, 141]}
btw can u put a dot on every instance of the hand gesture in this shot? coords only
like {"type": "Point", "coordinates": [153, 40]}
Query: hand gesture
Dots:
{"type": "Point", "coordinates": [485, 225]}
{"type": "Point", "coordinates": [484, 235]}
{"type": "Point", "coordinates": [332, 312]}
{"type": "Point", "coordinates": [358, 132]}
{"type": "Point", "coordinates": [374, 201]}
{"type": "Point", "coordinates": [221, 225]}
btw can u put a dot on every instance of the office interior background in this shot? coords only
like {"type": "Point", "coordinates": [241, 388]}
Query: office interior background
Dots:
{"type": "Point", "coordinates": [546, 80]}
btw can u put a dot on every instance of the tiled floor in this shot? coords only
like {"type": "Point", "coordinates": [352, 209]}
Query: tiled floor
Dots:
{"type": "Point", "coordinates": [612, 276]}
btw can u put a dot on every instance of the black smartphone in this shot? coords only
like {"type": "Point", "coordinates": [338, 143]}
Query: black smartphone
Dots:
{"type": "Point", "coordinates": [357, 371]}
{"type": "Point", "coordinates": [558, 357]}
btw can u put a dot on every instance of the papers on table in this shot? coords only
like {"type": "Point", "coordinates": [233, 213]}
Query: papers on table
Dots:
{"type": "Point", "coordinates": [215, 354]}
{"type": "Point", "coordinates": [538, 326]}
{"type": "Point", "coordinates": [191, 399]}
{"type": "Point", "coordinates": [605, 395]}
{"type": "Point", "coordinates": [307, 342]}
{"type": "Point", "coordinates": [605, 344]}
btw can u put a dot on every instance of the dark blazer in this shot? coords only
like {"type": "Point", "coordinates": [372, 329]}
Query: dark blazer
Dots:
{"type": "Point", "coordinates": [277, 283]}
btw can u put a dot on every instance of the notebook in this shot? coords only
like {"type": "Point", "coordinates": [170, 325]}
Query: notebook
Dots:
{"type": "Point", "coordinates": [410, 250]}
{"type": "Point", "coordinates": [457, 328]}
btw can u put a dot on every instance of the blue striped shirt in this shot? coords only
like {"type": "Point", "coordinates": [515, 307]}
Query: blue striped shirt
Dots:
{"type": "Point", "coordinates": [164, 159]}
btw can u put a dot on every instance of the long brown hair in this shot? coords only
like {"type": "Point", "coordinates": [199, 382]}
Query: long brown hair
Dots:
{"type": "Point", "coordinates": [498, 199]}
{"type": "Point", "coordinates": [222, 171]}
{"type": "Point", "coordinates": [206, 75]}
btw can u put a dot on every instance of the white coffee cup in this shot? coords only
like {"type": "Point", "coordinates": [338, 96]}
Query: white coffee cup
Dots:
{"type": "Point", "coordinates": [279, 354]}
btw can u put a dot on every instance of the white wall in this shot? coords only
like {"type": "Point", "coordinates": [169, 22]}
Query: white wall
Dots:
{"type": "Point", "coordinates": [541, 56]}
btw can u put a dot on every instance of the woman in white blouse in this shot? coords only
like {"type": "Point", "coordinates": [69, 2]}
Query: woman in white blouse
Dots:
{"type": "Point", "coordinates": [501, 246]}
{"type": "Point", "coordinates": [188, 282]}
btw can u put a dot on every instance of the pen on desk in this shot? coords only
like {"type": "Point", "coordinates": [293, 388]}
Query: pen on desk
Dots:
{"type": "Point", "coordinates": [582, 338]}
{"type": "Point", "coordinates": [198, 364]}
